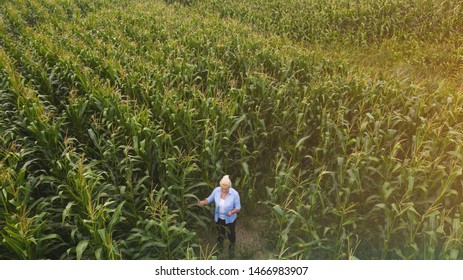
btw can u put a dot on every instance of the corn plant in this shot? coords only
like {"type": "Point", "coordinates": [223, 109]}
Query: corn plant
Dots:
{"type": "Point", "coordinates": [342, 119]}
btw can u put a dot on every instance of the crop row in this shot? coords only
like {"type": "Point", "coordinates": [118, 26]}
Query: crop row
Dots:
{"type": "Point", "coordinates": [346, 22]}
{"type": "Point", "coordinates": [115, 123]}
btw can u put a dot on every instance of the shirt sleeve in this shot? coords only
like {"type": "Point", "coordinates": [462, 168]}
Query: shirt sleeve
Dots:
{"type": "Point", "coordinates": [210, 199]}
{"type": "Point", "coordinates": [237, 201]}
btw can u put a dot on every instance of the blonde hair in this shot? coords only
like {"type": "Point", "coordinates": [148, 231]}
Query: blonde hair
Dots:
{"type": "Point", "coordinates": [226, 181]}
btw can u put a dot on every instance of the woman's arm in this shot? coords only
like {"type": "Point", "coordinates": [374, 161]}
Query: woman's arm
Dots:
{"type": "Point", "coordinates": [203, 202]}
{"type": "Point", "coordinates": [236, 204]}
{"type": "Point", "coordinates": [236, 210]}
{"type": "Point", "coordinates": [209, 199]}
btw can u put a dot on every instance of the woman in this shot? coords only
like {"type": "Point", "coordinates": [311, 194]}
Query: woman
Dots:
{"type": "Point", "coordinates": [227, 205]}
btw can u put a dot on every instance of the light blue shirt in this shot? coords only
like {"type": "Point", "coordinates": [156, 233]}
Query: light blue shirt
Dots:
{"type": "Point", "coordinates": [232, 201]}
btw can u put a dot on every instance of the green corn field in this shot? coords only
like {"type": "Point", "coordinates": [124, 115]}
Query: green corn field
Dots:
{"type": "Point", "coordinates": [340, 123]}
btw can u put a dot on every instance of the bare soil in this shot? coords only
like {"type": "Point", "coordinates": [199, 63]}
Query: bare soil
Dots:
{"type": "Point", "coordinates": [251, 243]}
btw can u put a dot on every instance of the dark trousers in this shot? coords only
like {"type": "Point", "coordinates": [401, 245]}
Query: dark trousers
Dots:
{"type": "Point", "coordinates": [223, 228]}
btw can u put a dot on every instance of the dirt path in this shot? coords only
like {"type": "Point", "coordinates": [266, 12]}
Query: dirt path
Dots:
{"type": "Point", "coordinates": [250, 241]}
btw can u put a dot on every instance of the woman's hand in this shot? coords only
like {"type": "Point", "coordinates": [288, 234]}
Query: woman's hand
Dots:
{"type": "Point", "coordinates": [234, 211]}
{"type": "Point", "coordinates": [202, 202]}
